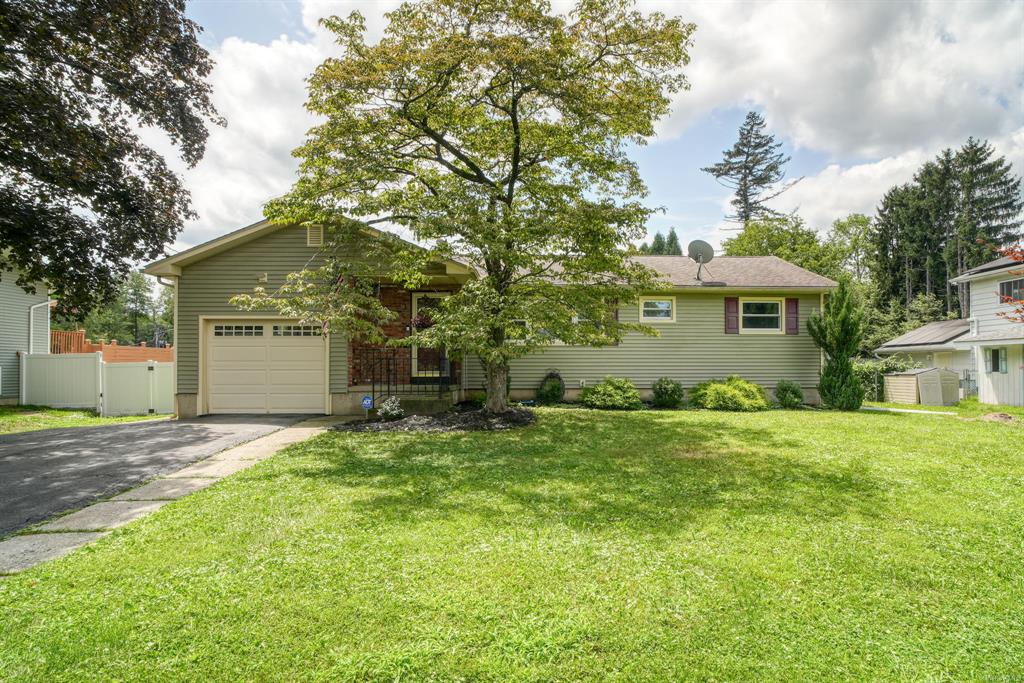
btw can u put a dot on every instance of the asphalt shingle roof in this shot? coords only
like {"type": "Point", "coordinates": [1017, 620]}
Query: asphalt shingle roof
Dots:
{"type": "Point", "coordinates": [753, 272]}
{"type": "Point", "coordinates": [933, 333]}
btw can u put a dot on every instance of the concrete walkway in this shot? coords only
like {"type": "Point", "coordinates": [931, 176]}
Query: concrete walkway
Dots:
{"type": "Point", "coordinates": [64, 534]}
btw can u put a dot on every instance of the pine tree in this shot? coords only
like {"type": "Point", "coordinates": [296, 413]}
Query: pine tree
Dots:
{"type": "Point", "coordinates": [658, 245]}
{"type": "Point", "coordinates": [989, 207]}
{"type": "Point", "coordinates": [672, 246]}
{"type": "Point", "coordinates": [838, 333]}
{"type": "Point", "coordinates": [751, 168]}
{"type": "Point", "coordinates": [644, 248]}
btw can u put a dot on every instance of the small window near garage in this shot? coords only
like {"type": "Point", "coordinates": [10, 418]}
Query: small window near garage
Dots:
{"type": "Point", "coordinates": [1012, 289]}
{"type": "Point", "coordinates": [297, 331]}
{"type": "Point", "coordinates": [995, 361]}
{"type": "Point", "coordinates": [238, 330]}
{"type": "Point", "coordinates": [657, 309]}
{"type": "Point", "coordinates": [314, 235]}
{"type": "Point", "coordinates": [761, 316]}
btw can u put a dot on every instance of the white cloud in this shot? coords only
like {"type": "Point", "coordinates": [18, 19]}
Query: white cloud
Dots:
{"type": "Point", "coordinates": [838, 191]}
{"type": "Point", "coordinates": [890, 83]}
{"type": "Point", "coordinates": [858, 79]}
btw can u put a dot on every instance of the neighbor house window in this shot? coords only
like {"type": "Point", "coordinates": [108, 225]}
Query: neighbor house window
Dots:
{"type": "Point", "coordinates": [1014, 289]}
{"type": "Point", "coordinates": [760, 315]}
{"type": "Point", "coordinates": [657, 309]}
{"type": "Point", "coordinates": [995, 360]}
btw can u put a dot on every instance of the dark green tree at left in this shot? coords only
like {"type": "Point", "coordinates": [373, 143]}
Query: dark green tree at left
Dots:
{"type": "Point", "coordinates": [82, 198]}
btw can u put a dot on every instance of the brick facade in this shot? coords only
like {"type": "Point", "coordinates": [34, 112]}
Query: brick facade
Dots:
{"type": "Point", "coordinates": [399, 300]}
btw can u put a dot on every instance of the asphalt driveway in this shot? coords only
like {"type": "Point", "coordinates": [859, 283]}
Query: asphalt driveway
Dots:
{"type": "Point", "coordinates": [46, 472]}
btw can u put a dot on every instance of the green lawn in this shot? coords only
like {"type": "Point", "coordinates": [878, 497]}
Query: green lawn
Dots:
{"type": "Point", "coordinates": [31, 418]}
{"type": "Point", "coordinates": [969, 407]}
{"type": "Point", "coordinates": [649, 546]}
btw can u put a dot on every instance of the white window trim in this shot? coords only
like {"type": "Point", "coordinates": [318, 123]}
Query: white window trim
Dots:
{"type": "Point", "coordinates": [781, 301]}
{"type": "Point", "coordinates": [656, 321]}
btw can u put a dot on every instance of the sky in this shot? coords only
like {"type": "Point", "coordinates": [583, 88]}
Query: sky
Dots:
{"type": "Point", "coordinates": [861, 93]}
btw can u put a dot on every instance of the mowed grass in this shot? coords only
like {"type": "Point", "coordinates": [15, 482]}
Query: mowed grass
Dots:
{"type": "Point", "coordinates": [605, 546]}
{"type": "Point", "coordinates": [969, 408]}
{"type": "Point", "coordinates": [32, 418]}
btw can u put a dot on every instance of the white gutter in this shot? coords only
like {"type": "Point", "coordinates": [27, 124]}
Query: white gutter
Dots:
{"type": "Point", "coordinates": [31, 322]}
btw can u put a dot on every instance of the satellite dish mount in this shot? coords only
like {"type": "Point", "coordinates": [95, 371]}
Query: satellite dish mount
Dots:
{"type": "Point", "coordinates": [701, 252]}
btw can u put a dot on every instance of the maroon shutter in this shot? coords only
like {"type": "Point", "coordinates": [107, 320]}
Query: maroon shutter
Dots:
{"type": "Point", "coordinates": [732, 315]}
{"type": "Point", "coordinates": [792, 316]}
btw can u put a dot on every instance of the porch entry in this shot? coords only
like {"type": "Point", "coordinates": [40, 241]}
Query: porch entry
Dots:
{"type": "Point", "coordinates": [426, 362]}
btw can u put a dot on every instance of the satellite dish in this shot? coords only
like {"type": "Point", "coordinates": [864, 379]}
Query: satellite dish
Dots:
{"type": "Point", "coordinates": [701, 252]}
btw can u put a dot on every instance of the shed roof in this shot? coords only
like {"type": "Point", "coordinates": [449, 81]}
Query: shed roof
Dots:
{"type": "Point", "coordinates": [932, 334]}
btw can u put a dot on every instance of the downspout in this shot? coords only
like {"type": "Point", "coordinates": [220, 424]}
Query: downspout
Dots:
{"type": "Point", "coordinates": [31, 322]}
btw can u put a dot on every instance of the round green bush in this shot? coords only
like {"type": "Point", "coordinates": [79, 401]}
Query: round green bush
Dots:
{"type": "Point", "coordinates": [731, 393]}
{"type": "Point", "coordinates": [612, 393]}
{"type": "Point", "coordinates": [788, 394]}
{"type": "Point", "coordinates": [551, 389]}
{"type": "Point", "coordinates": [668, 393]}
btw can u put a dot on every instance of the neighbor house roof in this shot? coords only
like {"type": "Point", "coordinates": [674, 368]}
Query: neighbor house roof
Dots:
{"type": "Point", "coordinates": [737, 272]}
{"type": "Point", "coordinates": [986, 269]}
{"type": "Point", "coordinates": [929, 337]}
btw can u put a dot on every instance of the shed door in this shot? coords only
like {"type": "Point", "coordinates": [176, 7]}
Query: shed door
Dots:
{"type": "Point", "coordinates": [264, 367]}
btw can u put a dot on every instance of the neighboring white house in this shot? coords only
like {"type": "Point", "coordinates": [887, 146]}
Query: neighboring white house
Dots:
{"type": "Point", "coordinates": [997, 343]}
{"type": "Point", "coordinates": [24, 327]}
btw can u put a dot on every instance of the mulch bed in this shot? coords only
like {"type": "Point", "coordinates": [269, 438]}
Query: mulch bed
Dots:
{"type": "Point", "coordinates": [463, 421]}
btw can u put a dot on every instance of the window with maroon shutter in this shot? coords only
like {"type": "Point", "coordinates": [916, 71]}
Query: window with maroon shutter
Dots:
{"type": "Point", "coordinates": [792, 316]}
{"type": "Point", "coordinates": [732, 315]}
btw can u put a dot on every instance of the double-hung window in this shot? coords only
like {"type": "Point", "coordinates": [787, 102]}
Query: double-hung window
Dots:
{"type": "Point", "coordinates": [761, 316]}
{"type": "Point", "coordinates": [1011, 289]}
{"type": "Point", "coordinates": [657, 309]}
{"type": "Point", "coordinates": [995, 361]}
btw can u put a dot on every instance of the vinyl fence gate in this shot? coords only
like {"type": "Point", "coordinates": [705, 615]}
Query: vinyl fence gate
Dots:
{"type": "Point", "coordinates": [84, 380]}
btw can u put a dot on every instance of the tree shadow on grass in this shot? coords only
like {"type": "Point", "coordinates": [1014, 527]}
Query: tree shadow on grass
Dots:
{"type": "Point", "coordinates": [651, 472]}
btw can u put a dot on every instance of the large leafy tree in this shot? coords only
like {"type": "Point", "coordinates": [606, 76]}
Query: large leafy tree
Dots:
{"type": "Point", "coordinates": [81, 197]}
{"type": "Point", "coordinates": [787, 238]}
{"type": "Point", "coordinates": [495, 131]}
{"type": "Point", "coordinates": [851, 236]}
{"type": "Point", "coordinates": [752, 169]}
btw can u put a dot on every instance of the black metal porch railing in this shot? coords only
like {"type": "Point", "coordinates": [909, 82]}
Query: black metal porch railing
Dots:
{"type": "Point", "coordinates": [401, 371]}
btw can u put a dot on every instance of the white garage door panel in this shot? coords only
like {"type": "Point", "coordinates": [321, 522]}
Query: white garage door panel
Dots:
{"type": "Point", "coordinates": [264, 374]}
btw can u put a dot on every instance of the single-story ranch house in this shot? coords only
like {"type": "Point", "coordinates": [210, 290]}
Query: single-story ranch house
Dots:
{"type": "Point", "coordinates": [746, 316]}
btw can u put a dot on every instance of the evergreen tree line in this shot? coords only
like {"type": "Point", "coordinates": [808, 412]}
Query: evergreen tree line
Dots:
{"type": "Point", "coordinates": [663, 246]}
{"type": "Point", "coordinates": [955, 214]}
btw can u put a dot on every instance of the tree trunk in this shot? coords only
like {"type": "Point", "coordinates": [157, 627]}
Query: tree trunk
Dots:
{"type": "Point", "coordinates": [497, 387]}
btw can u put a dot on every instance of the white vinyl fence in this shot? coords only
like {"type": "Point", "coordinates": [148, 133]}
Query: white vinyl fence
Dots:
{"type": "Point", "coordinates": [83, 380]}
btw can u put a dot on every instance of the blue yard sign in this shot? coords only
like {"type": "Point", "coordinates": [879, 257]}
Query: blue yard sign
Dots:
{"type": "Point", "coordinates": [367, 402]}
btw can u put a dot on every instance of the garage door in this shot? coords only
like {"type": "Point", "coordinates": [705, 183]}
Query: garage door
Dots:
{"type": "Point", "coordinates": [264, 367]}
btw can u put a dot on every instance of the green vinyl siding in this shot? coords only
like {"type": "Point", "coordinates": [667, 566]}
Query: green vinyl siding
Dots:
{"type": "Point", "coordinates": [14, 313]}
{"type": "Point", "coordinates": [691, 349]}
{"type": "Point", "coordinates": [206, 286]}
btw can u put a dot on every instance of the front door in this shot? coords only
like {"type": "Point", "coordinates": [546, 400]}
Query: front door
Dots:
{"type": "Point", "coordinates": [426, 362]}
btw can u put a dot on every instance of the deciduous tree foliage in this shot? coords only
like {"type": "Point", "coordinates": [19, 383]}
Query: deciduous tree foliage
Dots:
{"type": "Point", "coordinates": [81, 197]}
{"type": "Point", "coordinates": [787, 238]}
{"type": "Point", "coordinates": [752, 168]}
{"type": "Point", "coordinates": [494, 131]}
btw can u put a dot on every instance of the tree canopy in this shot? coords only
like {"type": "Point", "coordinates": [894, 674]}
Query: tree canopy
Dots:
{"type": "Point", "coordinates": [82, 199]}
{"type": "Point", "coordinates": [496, 132]}
{"type": "Point", "coordinates": [788, 238]}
